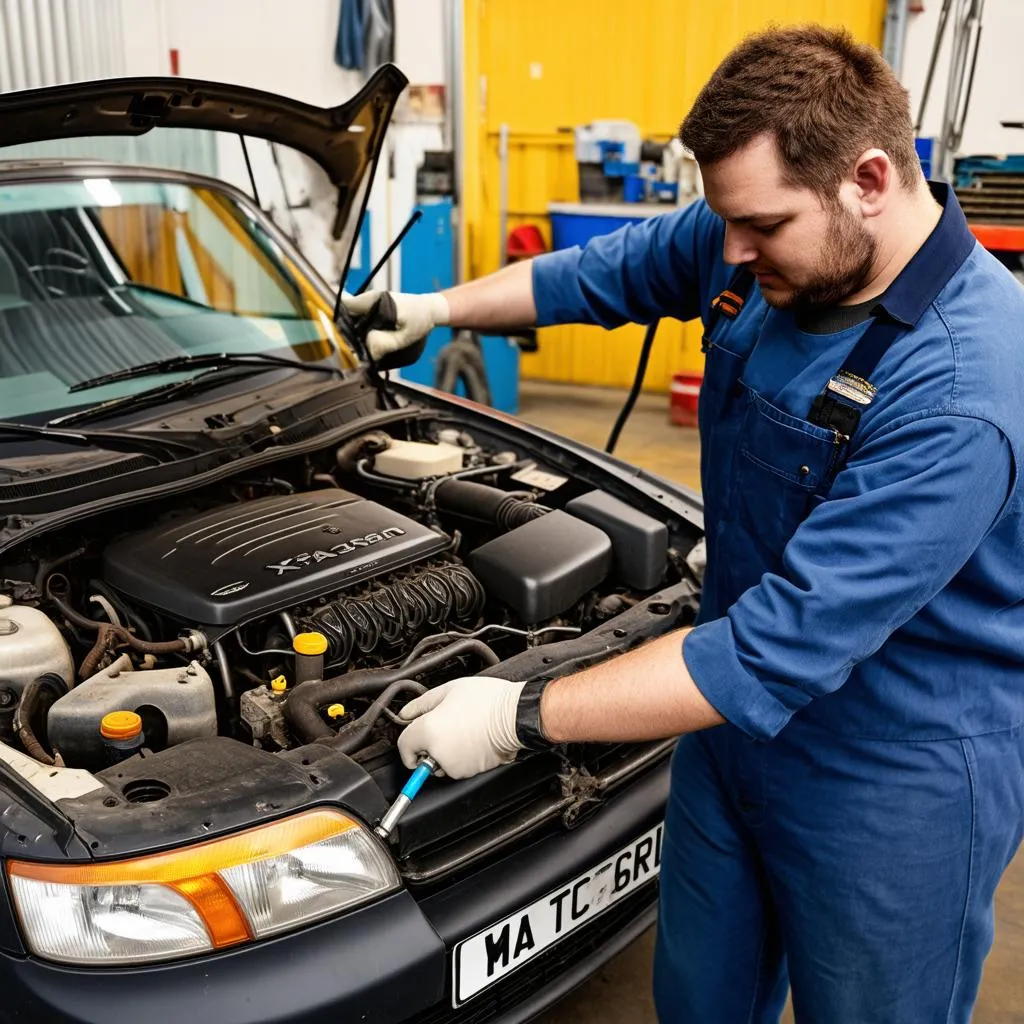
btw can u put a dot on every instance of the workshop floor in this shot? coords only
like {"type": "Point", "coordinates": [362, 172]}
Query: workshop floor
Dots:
{"type": "Point", "coordinates": [620, 994]}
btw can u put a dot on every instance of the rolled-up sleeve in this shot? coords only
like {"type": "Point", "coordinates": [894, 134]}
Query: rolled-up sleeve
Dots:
{"type": "Point", "coordinates": [658, 267]}
{"type": "Point", "coordinates": [903, 517]}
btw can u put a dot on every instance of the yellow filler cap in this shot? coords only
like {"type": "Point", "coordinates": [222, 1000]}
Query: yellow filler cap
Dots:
{"type": "Point", "coordinates": [336, 711]}
{"type": "Point", "coordinates": [309, 643]}
{"type": "Point", "coordinates": [279, 684]}
{"type": "Point", "coordinates": [120, 725]}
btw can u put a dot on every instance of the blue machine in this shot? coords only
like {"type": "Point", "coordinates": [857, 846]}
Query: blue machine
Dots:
{"type": "Point", "coordinates": [428, 266]}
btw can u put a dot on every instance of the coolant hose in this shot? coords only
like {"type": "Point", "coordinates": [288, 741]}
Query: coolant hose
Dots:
{"type": "Point", "coordinates": [47, 685]}
{"type": "Point", "coordinates": [353, 736]}
{"type": "Point", "coordinates": [107, 633]}
{"type": "Point", "coordinates": [302, 707]}
{"type": "Point", "coordinates": [350, 452]}
{"type": "Point", "coordinates": [481, 501]}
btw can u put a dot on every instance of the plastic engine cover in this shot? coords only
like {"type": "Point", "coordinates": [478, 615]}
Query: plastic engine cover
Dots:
{"type": "Point", "coordinates": [226, 566]}
{"type": "Point", "coordinates": [543, 568]}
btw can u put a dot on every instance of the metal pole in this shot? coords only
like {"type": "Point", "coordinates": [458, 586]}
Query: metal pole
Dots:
{"type": "Point", "coordinates": [455, 119]}
{"type": "Point", "coordinates": [503, 193]}
{"type": "Point", "coordinates": [940, 33]}
{"type": "Point", "coordinates": [895, 33]}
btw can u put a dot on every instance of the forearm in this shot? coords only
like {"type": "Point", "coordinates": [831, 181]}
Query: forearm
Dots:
{"type": "Point", "coordinates": [499, 302]}
{"type": "Point", "coordinates": [646, 694]}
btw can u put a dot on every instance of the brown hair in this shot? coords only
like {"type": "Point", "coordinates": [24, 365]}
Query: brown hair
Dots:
{"type": "Point", "coordinates": [824, 97]}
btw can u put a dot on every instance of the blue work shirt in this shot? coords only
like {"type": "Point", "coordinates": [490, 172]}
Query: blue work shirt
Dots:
{"type": "Point", "coordinates": [889, 605]}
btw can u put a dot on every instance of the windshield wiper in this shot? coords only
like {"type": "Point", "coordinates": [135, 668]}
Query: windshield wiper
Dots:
{"type": "Point", "coordinates": [111, 440]}
{"type": "Point", "coordinates": [214, 360]}
{"type": "Point", "coordinates": [151, 396]}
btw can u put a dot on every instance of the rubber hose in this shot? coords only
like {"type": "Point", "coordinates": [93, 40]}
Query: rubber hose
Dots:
{"type": "Point", "coordinates": [462, 360]}
{"type": "Point", "coordinates": [350, 452]}
{"type": "Point", "coordinates": [353, 736]}
{"type": "Point", "coordinates": [634, 391]}
{"type": "Point", "coordinates": [301, 708]}
{"type": "Point", "coordinates": [49, 684]}
{"type": "Point", "coordinates": [481, 501]}
{"type": "Point", "coordinates": [106, 632]}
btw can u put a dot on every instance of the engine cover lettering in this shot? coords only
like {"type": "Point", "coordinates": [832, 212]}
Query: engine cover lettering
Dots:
{"type": "Point", "coordinates": [307, 558]}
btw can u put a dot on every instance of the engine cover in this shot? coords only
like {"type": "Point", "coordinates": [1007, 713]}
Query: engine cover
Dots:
{"type": "Point", "coordinates": [243, 560]}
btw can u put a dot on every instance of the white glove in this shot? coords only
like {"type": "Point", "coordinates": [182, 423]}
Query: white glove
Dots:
{"type": "Point", "coordinates": [417, 316]}
{"type": "Point", "coordinates": [468, 726]}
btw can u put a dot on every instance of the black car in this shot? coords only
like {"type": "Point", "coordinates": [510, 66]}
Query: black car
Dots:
{"type": "Point", "coordinates": [230, 548]}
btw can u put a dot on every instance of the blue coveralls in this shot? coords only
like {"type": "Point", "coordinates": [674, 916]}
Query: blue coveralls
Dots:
{"type": "Point", "coordinates": [864, 640]}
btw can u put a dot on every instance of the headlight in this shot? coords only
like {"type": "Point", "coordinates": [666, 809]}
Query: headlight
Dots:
{"type": "Point", "coordinates": [200, 898]}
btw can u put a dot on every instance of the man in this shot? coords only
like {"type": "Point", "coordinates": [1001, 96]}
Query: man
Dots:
{"type": "Point", "coordinates": [850, 783]}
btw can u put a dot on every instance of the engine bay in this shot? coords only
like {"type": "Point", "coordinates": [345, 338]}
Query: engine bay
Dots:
{"type": "Point", "coordinates": [302, 606]}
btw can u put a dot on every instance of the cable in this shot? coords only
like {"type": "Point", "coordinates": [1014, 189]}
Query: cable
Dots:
{"type": "Point", "coordinates": [634, 391]}
{"type": "Point", "coordinates": [432, 641]}
{"type": "Point", "coordinates": [462, 360]}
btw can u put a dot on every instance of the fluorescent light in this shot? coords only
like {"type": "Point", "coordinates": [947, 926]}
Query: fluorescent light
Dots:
{"type": "Point", "coordinates": [103, 191]}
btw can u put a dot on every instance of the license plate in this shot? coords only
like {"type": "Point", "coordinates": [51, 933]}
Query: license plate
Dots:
{"type": "Point", "coordinates": [497, 951]}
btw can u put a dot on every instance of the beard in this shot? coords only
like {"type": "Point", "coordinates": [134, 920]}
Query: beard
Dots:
{"type": "Point", "coordinates": [847, 258]}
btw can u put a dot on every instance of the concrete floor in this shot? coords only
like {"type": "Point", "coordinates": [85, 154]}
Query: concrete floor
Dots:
{"type": "Point", "coordinates": [620, 993]}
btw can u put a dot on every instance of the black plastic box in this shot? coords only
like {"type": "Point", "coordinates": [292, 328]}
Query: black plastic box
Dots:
{"type": "Point", "coordinates": [640, 542]}
{"type": "Point", "coordinates": [543, 568]}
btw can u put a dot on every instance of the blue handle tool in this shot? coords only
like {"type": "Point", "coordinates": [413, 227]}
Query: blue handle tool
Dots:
{"type": "Point", "coordinates": [424, 770]}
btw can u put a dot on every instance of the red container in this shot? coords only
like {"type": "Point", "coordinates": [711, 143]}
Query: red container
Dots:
{"type": "Point", "coordinates": [683, 397]}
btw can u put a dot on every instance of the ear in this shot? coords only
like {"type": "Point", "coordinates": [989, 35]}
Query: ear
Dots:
{"type": "Point", "coordinates": [874, 178]}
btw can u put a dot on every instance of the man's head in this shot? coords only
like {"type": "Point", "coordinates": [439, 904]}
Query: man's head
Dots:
{"type": "Point", "coordinates": [806, 147]}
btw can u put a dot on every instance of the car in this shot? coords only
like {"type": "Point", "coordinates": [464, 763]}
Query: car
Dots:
{"type": "Point", "coordinates": [231, 547]}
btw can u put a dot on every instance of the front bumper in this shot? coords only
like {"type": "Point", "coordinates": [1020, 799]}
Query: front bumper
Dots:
{"type": "Point", "coordinates": [386, 963]}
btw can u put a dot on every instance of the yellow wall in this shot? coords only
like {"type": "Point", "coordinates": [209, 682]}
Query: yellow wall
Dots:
{"type": "Point", "coordinates": [539, 65]}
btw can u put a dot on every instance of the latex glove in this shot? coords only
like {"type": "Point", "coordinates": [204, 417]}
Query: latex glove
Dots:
{"type": "Point", "coordinates": [416, 317]}
{"type": "Point", "coordinates": [468, 726]}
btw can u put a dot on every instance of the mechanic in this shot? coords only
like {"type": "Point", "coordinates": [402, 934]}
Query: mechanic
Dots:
{"type": "Point", "coordinates": [849, 787]}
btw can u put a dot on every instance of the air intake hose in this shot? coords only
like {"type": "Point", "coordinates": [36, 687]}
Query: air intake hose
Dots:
{"type": "Point", "coordinates": [480, 501]}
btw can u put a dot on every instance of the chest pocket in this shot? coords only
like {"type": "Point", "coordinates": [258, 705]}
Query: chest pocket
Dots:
{"type": "Point", "coordinates": [783, 468]}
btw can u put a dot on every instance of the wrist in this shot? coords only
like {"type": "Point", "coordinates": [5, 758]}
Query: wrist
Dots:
{"type": "Point", "coordinates": [529, 727]}
{"type": "Point", "coordinates": [440, 311]}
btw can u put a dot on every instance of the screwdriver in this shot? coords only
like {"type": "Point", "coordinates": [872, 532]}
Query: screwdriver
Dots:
{"type": "Point", "coordinates": [424, 769]}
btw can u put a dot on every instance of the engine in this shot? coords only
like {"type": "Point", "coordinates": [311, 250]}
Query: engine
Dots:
{"type": "Point", "coordinates": [308, 613]}
{"type": "Point", "coordinates": [233, 564]}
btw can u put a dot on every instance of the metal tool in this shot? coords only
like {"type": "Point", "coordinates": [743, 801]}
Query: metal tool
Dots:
{"type": "Point", "coordinates": [426, 767]}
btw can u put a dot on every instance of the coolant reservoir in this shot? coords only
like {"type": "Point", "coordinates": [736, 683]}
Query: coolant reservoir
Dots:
{"type": "Point", "coordinates": [30, 645]}
{"type": "Point", "coordinates": [415, 460]}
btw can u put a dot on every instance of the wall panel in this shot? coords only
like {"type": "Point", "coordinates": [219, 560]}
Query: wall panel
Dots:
{"type": "Point", "coordinates": [542, 65]}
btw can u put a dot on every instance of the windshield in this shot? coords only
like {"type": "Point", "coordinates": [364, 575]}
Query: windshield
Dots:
{"type": "Point", "coordinates": [101, 274]}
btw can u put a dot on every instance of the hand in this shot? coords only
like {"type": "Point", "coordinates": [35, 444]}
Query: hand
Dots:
{"type": "Point", "coordinates": [468, 726]}
{"type": "Point", "coordinates": [416, 316]}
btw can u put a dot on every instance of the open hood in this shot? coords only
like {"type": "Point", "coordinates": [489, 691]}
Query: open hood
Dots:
{"type": "Point", "coordinates": [346, 140]}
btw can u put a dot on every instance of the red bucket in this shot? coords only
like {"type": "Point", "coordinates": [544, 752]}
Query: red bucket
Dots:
{"type": "Point", "coordinates": [683, 397]}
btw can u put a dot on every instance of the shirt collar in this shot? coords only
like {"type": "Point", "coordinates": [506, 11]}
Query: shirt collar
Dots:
{"type": "Point", "coordinates": [931, 267]}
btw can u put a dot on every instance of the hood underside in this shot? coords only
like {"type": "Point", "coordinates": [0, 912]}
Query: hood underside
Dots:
{"type": "Point", "coordinates": [346, 141]}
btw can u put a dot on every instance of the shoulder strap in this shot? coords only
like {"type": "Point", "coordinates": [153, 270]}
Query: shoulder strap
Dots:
{"type": "Point", "coordinates": [728, 303]}
{"type": "Point", "coordinates": [839, 405]}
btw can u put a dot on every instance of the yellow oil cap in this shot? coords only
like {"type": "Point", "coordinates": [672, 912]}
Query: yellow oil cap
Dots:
{"type": "Point", "coordinates": [279, 684]}
{"type": "Point", "coordinates": [121, 725]}
{"type": "Point", "coordinates": [336, 711]}
{"type": "Point", "coordinates": [309, 643]}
